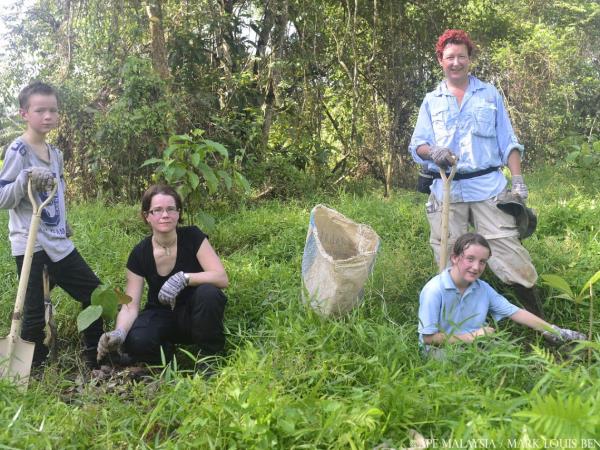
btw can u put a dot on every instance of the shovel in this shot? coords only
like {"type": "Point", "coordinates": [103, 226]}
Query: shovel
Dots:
{"type": "Point", "coordinates": [16, 354]}
{"type": "Point", "coordinates": [447, 179]}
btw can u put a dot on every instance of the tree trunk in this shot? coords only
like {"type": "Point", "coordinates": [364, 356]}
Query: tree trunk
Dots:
{"type": "Point", "coordinates": [277, 54]}
{"type": "Point", "coordinates": [159, 51]}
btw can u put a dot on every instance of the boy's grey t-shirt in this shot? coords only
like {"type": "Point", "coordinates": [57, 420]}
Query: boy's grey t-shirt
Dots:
{"type": "Point", "coordinates": [52, 234]}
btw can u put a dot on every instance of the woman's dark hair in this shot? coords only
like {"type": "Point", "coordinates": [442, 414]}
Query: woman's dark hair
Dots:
{"type": "Point", "coordinates": [36, 87]}
{"type": "Point", "coordinates": [453, 37]}
{"type": "Point", "coordinates": [163, 189]}
{"type": "Point", "coordinates": [468, 239]}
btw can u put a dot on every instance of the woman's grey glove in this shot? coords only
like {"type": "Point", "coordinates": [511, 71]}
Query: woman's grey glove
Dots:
{"type": "Point", "coordinates": [109, 342]}
{"type": "Point", "coordinates": [42, 179]}
{"type": "Point", "coordinates": [171, 289]}
{"type": "Point", "coordinates": [562, 335]}
{"type": "Point", "coordinates": [519, 187]}
{"type": "Point", "coordinates": [442, 156]}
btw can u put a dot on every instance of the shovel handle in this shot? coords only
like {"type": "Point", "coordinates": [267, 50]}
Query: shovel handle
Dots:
{"type": "Point", "coordinates": [15, 327]}
{"type": "Point", "coordinates": [37, 209]}
{"type": "Point", "coordinates": [447, 179]}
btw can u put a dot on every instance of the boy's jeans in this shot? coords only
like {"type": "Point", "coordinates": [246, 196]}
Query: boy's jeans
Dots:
{"type": "Point", "coordinates": [76, 278]}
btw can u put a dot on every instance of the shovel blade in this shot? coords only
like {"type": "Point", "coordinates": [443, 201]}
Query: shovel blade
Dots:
{"type": "Point", "coordinates": [15, 363]}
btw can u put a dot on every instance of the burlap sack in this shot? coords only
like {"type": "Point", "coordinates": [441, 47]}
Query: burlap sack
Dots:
{"type": "Point", "coordinates": [339, 255]}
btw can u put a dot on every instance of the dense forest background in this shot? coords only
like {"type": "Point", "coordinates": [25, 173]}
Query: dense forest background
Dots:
{"type": "Point", "coordinates": [302, 93]}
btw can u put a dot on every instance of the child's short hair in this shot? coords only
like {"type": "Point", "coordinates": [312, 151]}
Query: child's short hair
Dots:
{"type": "Point", "coordinates": [35, 87]}
{"type": "Point", "coordinates": [468, 239]}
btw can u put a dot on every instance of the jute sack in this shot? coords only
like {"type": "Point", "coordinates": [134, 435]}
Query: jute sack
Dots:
{"type": "Point", "coordinates": [339, 255]}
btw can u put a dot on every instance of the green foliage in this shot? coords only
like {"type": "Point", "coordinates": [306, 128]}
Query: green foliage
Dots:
{"type": "Point", "coordinates": [549, 100]}
{"type": "Point", "coordinates": [105, 302]}
{"type": "Point", "coordinates": [133, 128]}
{"type": "Point", "coordinates": [558, 283]}
{"type": "Point", "coordinates": [322, 90]}
{"type": "Point", "coordinates": [555, 417]}
{"type": "Point", "coordinates": [583, 153]}
{"type": "Point", "coordinates": [586, 293]}
{"type": "Point", "coordinates": [88, 316]}
{"type": "Point", "coordinates": [292, 379]}
{"type": "Point", "coordinates": [10, 129]}
{"type": "Point", "coordinates": [197, 167]}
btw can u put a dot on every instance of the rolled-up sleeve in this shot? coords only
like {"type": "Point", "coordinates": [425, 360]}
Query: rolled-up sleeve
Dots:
{"type": "Point", "coordinates": [423, 132]}
{"type": "Point", "coordinates": [507, 140]}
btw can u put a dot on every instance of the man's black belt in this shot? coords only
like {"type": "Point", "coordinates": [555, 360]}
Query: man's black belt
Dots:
{"type": "Point", "coordinates": [466, 176]}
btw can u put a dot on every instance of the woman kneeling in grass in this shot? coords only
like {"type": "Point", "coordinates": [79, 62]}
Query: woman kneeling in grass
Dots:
{"type": "Point", "coordinates": [454, 304]}
{"type": "Point", "coordinates": [185, 277]}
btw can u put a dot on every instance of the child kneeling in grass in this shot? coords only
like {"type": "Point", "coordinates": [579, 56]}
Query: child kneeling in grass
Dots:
{"type": "Point", "coordinates": [453, 305]}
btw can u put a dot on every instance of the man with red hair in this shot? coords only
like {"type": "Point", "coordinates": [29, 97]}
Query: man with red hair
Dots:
{"type": "Point", "coordinates": [464, 122]}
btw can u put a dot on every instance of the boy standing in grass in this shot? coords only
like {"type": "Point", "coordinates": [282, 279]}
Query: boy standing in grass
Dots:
{"type": "Point", "coordinates": [30, 157]}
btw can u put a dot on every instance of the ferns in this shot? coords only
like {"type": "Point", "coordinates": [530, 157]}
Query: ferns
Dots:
{"type": "Point", "coordinates": [564, 416]}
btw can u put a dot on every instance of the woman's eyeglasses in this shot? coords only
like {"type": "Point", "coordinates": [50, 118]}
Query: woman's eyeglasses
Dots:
{"type": "Point", "coordinates": [171, 210]}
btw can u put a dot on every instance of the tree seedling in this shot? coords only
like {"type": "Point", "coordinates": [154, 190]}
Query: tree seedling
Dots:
{"type": "Point", "coordinates": [105, 301]}
{"type": "Point", "coordinates": [586, 292]}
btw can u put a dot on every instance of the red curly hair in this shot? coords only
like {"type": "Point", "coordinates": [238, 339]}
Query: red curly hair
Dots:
{"type": "Point", "coordinates": [453, 37]}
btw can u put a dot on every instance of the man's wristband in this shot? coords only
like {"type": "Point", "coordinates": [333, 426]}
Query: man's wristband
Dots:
{"type": "Point", "coordinates": [186, 276]}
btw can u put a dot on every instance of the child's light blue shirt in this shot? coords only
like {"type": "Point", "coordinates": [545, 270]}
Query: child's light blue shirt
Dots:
{"type": "Point", "coordinates": [479, 132]}
{"type": "Point", "coordinates": [442, 309]}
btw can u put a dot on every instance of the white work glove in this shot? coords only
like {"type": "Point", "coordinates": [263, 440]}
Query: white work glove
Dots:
{"type": "Point", "coordinates": [171, 289]}
{"type": "Point", "coordinates": [109, 342]}
{"type": "Point", "coordinates": [42, 179]}
{"type": "Point", "coordinates": [562, 335]}
{"type": "Point", "coordinates": [442, 156]}
{"type": "Point", "coordinates": [519, 187]}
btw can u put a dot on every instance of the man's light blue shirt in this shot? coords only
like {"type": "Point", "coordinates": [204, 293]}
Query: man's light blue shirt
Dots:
{"type": "Point", "coordinates": [478, 131]}
{"type": "Point", "coordinates": [443, 309]}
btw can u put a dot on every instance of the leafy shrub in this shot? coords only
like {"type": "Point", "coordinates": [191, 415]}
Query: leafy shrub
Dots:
{"type": "Point", "coordinates": [584, 153]}
{"type": "Point", "coordinates": [197, 167]}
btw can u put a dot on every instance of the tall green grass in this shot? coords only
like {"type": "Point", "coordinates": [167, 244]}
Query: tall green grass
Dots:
{"type": "Point", "coordinates": [292, 379]}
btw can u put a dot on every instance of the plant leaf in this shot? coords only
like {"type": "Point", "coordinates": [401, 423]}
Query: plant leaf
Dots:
{"type": "Point", "coordinates": [217, 147]}
{"type": "Point", "coordinates": [88, 316]}
{"type": "Point", "coordinates": [195, 159]}
{"type": "Point", "coordinates": [209, 177]}
{"type": "Point", "coordinates": [152, 161]}
{"type": "Point", "coordinates": [178, 172]}
{"type": "Point", "coordinates": [193, 179]}
{"type": "Point", "coordinates": [241, 181]}
{"type": "Point", "coordinates": [177, 138]}
{"type": "Point", "coordinates": [226, 178]}
{"type": "Point", "coordinates": [122, 297]}
{"type": "Point", "coordinates": [593, 280]}
{"type": "Point", "coordinates": [558, 283]}
{"type": "Point", "coordinates": [564, 297]}
{"type": "Point", "coordinates": [106, 297]}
